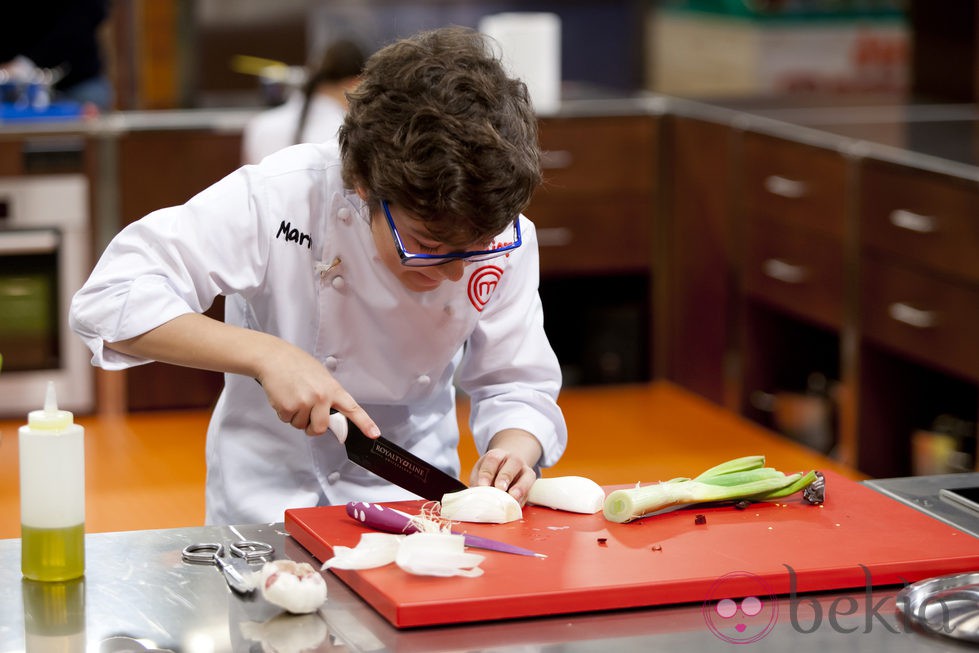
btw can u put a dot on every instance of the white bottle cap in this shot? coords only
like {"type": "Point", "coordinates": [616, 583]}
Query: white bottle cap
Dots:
{"type": "Point", "coordinates": [50, 418]}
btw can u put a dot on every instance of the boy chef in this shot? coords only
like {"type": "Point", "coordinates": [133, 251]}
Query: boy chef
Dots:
{"type": "Point", "coordinates": [366, 275]}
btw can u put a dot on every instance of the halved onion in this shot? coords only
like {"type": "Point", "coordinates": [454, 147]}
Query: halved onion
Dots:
{"type": "Point", "coordinates": [484, 504]}
{"type": "Point", "coordinates": [570, 493]}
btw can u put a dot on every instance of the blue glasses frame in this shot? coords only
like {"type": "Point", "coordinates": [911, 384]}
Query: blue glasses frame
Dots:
{"type": "Point", "coordinates": [412, 259]}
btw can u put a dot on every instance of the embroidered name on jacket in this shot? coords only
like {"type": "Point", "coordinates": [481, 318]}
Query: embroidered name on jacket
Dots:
{"type": "Point", "coordinates": [294, 235]}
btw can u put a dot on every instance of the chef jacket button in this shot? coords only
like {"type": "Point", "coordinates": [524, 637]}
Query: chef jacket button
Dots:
{"type": "Point", "coordinates": [449, 310]}
{"type": "Point", "coordinates": [338, 283]}
{"type": "Point", "coordinates": [331, 363]}
{"type": "Point", "coordinates": [333, 477]}
{"type": "Point", "coordinates": [344, 214]}
{"type": "Point", "coordinates": [424, 379]}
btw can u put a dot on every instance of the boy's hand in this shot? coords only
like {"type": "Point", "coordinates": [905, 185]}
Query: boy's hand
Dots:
{"type": "Point", "coordinates": [299, 388]}
{"type": "Point", "coordinates": [302, 392]}
{"type": "Point", "coordinates": [508, 464]}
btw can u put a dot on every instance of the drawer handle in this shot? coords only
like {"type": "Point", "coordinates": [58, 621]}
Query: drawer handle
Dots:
{"type": "Point", "coordinates": [915, 317]}
{"type": "Point", "coordinates": [555, 159]}
{"type": "Point", "coordinates": [922, 224]}
{"type": "Point", "coordinates": [784, 187]}
{"type": "Point", "coordinates": [554, 237]}
{"type": "Point", "coordinates": [785, 272]}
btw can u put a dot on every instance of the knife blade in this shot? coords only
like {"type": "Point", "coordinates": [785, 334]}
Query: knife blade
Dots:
{"type": "Point", "coordinates": [399, 466]}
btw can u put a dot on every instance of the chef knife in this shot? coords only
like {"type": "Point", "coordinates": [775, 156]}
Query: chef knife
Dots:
{"type": "Point", "coordinates": [394, 464]}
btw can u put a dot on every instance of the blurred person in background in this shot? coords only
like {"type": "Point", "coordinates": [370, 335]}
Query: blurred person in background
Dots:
{"type": "Point", "coordinates": [315, 114]}
{"type": "Point", "coordinates": [60, 37]}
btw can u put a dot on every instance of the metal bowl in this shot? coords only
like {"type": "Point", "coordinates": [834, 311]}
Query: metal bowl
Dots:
{"type": "Point", "coordinates": [946, 605]}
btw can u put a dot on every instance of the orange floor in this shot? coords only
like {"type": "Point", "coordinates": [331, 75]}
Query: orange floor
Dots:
{"type": "Point", "coordinates": [146, 470]}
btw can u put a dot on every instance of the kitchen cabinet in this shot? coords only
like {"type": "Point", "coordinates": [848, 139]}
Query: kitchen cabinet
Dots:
{"type": "Point", "coordinates": [595, 215]}
{"type": "Point", "coordinates": [158, 169]}
{"type": "Point", "coordinates": [167, 167]}
{"type": "Point", "coordinates": [834, 293]}
{"type": "Point", "coordinates": [843, 288]}
{"type": "Point", "coordinates": [594, 210]}
{"type": "Point", "coordinates": [919, 304]}
{"type": "Point", "coordinates": [10, 158]}
{"type": "Point", "coordinates": [699, 257]}
{"type": "Point", "coordinates": [791, 214]}
{"type": "Point", "coordinates": [793, 220]}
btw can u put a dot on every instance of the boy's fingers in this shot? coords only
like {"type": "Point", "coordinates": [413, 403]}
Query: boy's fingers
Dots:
{"type": "Point", "coordinates": [359, 417]}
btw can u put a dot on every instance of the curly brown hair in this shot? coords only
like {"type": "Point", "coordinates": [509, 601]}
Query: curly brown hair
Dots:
{"type": "Point", "coordinates": [437, 127]}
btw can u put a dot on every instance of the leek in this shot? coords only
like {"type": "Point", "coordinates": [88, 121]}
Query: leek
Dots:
{"type": "Point", "coordinates": [740, 479]}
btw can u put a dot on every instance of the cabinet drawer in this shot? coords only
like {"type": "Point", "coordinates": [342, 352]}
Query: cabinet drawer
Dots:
{"type": "Point", "coordinates": [924, 217]}
{"type": "Point", "coordinates": [599, 235]}
{"type": "Point", "coordinates": [795, 269]}
{"type": "Point", "coordinates": [598, 155]}
{"type": "Point", "coordinates": [797, 183]}
{"type": "Point", "coordinates": [10, 158]}
{"type": "Point", "coordinates": [924, 317]}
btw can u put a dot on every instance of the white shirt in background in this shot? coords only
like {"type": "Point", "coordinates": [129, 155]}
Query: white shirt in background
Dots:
{"type": "Point", "coordinates": [274, 129]}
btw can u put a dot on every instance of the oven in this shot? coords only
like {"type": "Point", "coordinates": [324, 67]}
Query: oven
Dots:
{"type": "Point", "coordinates": [44, 247]}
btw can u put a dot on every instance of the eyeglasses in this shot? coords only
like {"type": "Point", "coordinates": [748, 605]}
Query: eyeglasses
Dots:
{"type": "Point", "coordinates": [423, 260]}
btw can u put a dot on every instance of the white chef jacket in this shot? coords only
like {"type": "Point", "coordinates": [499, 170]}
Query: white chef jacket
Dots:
{"type": "Point", "coordinates": [274, 129]}
{"type": "Point", "coordinates": [264, 237]}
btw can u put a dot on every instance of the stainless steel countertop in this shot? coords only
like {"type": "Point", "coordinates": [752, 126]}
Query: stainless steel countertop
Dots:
{"type": "Point", "coordinates": [138, 592]}
{"type": "Point", "coordinates": [922, 493]}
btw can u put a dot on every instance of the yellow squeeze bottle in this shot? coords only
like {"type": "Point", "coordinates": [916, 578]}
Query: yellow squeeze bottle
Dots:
{"type": "Point", "coordinates": [52, 494]}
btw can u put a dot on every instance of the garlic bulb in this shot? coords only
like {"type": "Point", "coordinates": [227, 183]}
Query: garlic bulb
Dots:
{"type": "Point", "coordinates": [484, 504]}
{"type": "Point", "coordinates": [294, 586]}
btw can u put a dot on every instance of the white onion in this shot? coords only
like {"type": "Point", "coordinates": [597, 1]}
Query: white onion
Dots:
{"type": "Point", "coordinates": [483, 503]}
{"type": "Point", "coordinates": [294, 586]}
{"type": "Point", "coordinates": [437, 554]}
{"type": "Point", "coordinates": [373, 550]}
{"type": "Point", "coordinates": [570, 493]}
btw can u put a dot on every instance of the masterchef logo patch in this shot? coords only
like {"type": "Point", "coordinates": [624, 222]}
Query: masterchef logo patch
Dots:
{"type": "Point", "coordinates": [482, 283]}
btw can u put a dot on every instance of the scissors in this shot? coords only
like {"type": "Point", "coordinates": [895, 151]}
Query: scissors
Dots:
{"type": "Point", "coordinates": [212, 553]}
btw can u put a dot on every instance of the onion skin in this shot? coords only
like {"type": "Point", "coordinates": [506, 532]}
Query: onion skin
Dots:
{"type": "Point", "coordinates": [373, 550]}
{"type": "Point", "coordinates": [437, 554]}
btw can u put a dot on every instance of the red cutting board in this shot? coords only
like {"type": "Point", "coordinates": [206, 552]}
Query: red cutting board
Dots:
{"type": "Point", "coordinates": [858, 537]}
